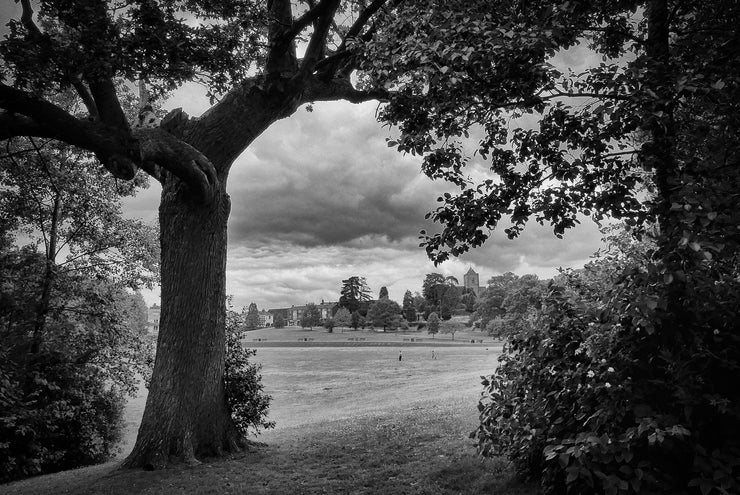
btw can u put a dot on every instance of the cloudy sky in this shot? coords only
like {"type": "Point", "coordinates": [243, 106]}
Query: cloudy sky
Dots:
{"type": "Point", "coordinates": [320, 197]}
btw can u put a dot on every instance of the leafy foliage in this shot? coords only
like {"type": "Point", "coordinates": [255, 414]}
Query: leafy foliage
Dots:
{"type": "Point", "coordinates": [62, 391]}
{"type": "Point", "coordinates": [409, 308]}
{"type": "Point", "coordinates": [433, 324]}
{"type": "Point", "coordinates": [594, 398]}
{"type": "Point", "coordinates": [55, 415]}
{"type": "Point", "coordinates": [311, 316]}
{"type": "Point", "coordinates": [449, 302]}
{"type": "Point", "coordinates": [247, 401]}
{"type": "Point", "coordinates": [221, 47]}
{"type": "Point", "coordinates": [354, 293]}
{"type": "Point", "coordinates": [252, 319]}
{"type": "Point", "coordinates": [357, 320]}
{"type": "Point", "coordinates": [441, 294]}
{"type": "Point", "coordinates": [383, 294]}
{"type": "Point", "coordinates": [385, 314]}
{"type": "Point", "coordinates": [508, 301]}
{"type": "Point", "coordinates": [74, 337]}
{"type": "Point", "coordinates": [278, 321]}
{"type": "Point", "coordinates": [612, 386]}
{"type": "Point", "coordinates": [61, 198]}
{"type": "Point", "coordinates": [329, 324]}
{"type": "Point", "coordinates": [343, 318]}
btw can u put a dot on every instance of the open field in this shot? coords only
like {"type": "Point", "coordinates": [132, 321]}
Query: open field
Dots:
{"type": "Point", "coordinates": [311, 385]}
{"type": "Point", "coordinates": [346, 336]}
{"type": "Point", "coordinates": [349, 420]}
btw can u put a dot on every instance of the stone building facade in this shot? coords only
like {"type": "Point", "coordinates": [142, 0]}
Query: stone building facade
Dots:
{"type": "Point", "coordinates": [471, 281]}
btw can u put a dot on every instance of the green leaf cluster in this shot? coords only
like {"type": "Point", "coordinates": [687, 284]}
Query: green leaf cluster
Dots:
{"type": "Point", "coordinates": [245, 396]}
{"type": "Point", "coordinates": [605, 391]}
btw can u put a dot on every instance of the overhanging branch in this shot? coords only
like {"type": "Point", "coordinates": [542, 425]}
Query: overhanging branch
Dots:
{"type": "Point", "coordinates": [160, 148]}
{"type": "Point", "coordinates": [317, 90]}
{"type": "Point", "coordinates": [121, 152]}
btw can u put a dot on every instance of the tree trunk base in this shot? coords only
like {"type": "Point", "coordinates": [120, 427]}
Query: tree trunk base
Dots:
{"type": "Point", "coordinates": [160, 453]}
{"type": "Point", "coordinates": [186, 418]}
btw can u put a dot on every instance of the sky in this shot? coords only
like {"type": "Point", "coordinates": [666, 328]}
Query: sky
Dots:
{"type": "Point", "coordinates": [320, 197]}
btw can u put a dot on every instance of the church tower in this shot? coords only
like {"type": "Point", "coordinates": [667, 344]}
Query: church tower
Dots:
{"type": "Point", "coordinates": [472, 281]}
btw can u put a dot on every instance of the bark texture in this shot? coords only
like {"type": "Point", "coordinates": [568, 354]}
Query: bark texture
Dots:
{"type": "Point", "coordinates": [186, 416]}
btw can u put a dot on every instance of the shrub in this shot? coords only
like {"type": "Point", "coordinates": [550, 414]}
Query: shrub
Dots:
{"type": "Point", "coordinates": [64, 373]}
{"type": "Point", "coordinates": [329, 324]}
{"type": "Point", "coordinates": [605, 391]}
{"type": "Point", "coordinates": [245, 394]}
{"type": "Point", "coordinates": [55, 415]}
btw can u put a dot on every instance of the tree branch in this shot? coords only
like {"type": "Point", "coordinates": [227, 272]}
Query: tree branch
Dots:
{"type": "Point", "coordinates": [121, 152]}
{"type": "Point", "coordinates": [362, 21]}
{"type": "Point", "coordinates": [86, 97]}
{"type": "Point", "coordinates": [317, 90]}
{"type": "Point", "coordinates": [328, 66]}
{"type": "Point", "coordinates": [158, 147]}
{"type": "Point", "coordinates": [108, 107]}
{"type": "Point", "coordinates": [310, 17]}
{"type": "Point", "coordinates": [317, 44]}
{"type": "Point", "coordinates": [27, 19]}
{"type": "Point", "coordinates": [114, 148]}
{"type": "Point", "coordinates": [281, 56]}
{"type": "Point", "coordinates": [44, 41]}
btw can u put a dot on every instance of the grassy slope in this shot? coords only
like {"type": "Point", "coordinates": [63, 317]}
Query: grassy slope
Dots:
{"type": "Point", "coordinates": [350, 420]}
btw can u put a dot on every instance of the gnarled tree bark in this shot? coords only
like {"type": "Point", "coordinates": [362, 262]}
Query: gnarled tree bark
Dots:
{"type": "Point", "coordinates": [186, 415]}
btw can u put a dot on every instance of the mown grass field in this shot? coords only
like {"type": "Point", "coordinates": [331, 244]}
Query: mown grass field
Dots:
{"type": "Point", "coordinates": [349, 420]}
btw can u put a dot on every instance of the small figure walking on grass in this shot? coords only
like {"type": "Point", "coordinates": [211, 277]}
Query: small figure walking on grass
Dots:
{"type": "Point", "coordinates": [400, 356]}
{"type": "Point", "coordinates": [433, 356]}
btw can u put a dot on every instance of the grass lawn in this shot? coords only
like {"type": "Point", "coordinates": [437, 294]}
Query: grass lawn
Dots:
{"type": "Point", "coordinates": [350, 420]}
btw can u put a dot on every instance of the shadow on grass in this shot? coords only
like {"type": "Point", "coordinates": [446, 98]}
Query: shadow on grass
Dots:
{"type": "Point", "coordinates": [423, 450]}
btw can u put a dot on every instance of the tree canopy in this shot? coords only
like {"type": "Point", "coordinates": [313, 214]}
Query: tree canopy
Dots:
{"type": "Point", "coordinates": [354, 293]}
{"type": "Point", "coordinates": [311, 316]}
{"type": "Point", "coordinates": [252, 318]}
{"type": "Point", "coordinates": [409, 309]}
{"type": "Point", "coordinates": [648, 135]}
{"type": "Point", "coordinates": [74, 338]}
{"type": "Point", "coordinates": [246, 54]}
{"type": "Point", "coordinates": [384, 313]}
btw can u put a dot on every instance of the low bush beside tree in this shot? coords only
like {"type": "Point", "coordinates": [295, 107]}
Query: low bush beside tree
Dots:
{"type": "Point", "coordinates": [247, 401]}
{"type": "Point", "coordinates": [589, 397]}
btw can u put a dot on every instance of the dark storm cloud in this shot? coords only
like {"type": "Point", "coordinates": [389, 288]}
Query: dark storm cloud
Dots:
{"type": "Point", "coordinates": [319, 181]}
{"type": "Point", "coordinates": [320, 197]}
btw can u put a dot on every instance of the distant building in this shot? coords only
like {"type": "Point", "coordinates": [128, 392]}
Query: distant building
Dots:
{"type": "Point", "coordinates": [266, 318]}
{"type": "Point", "coordinates": [293, 314]}
{"type": "Point", "coordinates": [152, 318]}
{"type": "Point", "coordinates": [471, 281]}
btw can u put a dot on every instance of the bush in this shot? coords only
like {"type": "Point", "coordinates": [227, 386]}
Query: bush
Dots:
{"type": "Point", "coordinates": [55, 415]}
{"type": "Point", "coordinates": [245, 394]}
{"type": "Point", "coordinates": [605, 391]}
{"type": "Point", "coordinates": [329, 324]}
{"type": "Point", "coordinates": [64, 374]}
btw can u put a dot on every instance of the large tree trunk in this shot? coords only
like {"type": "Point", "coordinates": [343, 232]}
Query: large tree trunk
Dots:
{"type": "Point", "coordinates": [186, 415]}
